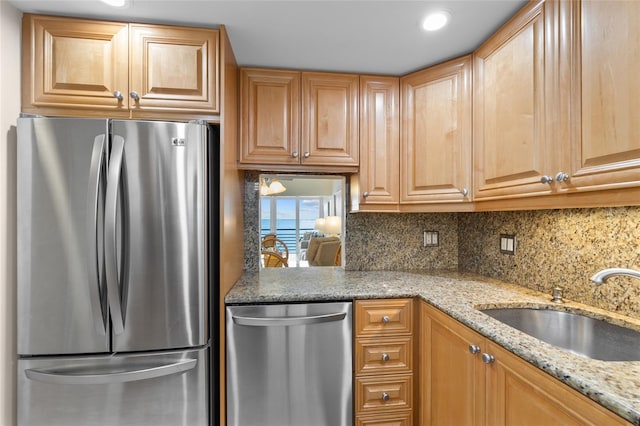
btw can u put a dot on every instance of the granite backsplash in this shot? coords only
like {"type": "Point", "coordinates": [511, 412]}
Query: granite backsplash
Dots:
{"type": "Point", "coordinates": [555, 248]}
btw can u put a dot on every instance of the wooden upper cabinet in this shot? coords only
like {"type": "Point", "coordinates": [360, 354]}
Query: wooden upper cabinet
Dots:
{"type": "Point", "coordinates": [74, 63]}
{"type": "Point", "coordinates": [378, 180]}
{"type": "Point", "coordinates": [512, 152]}
{"type": "Point", "coordinates": [603, 80]}
{"type": "Point", "coordinates": [435, 136]}
{"type": "Point", "coordinates": [270, 109]}
{"type": "Point", "coordinates": [330, 119]}
{"type": "Point", "coordinates": [173, 69]}
{"type": "Point", "coordinates": [77, 67]}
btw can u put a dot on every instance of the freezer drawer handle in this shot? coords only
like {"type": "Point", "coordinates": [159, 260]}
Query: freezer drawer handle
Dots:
{"type": "Point", "coordinates": [288, 321]}
{"type": "Point", "coordinates": [69, 377]}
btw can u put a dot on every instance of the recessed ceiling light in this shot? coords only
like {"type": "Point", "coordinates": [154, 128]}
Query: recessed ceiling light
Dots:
{"type": "Point", "coordinates": [116, 3]}
{"type": "Point", "coordinates": [436, 20]}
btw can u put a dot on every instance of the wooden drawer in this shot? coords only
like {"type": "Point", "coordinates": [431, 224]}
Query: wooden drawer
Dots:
{"type": "Point", "coordinates": [371, 391]}
{"type": "Point", "coordinates": [384, 355]}
{"type": "Point", "coordinates": [403, 418]}
{"type": "Point", "coordinates": [383, 317]}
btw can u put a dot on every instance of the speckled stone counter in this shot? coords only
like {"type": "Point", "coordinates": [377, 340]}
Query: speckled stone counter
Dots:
{"type": "Point", "coordinates": [615, 385]}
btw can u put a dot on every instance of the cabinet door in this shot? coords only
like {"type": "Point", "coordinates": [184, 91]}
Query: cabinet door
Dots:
{"type": "Point", "coordinates": [379, 142]}
{"type": "Point", "coordinates": [330, 119]}
{"type": "Point", "coordinates": [435, 141]}
{"type": "Point", "coordinates": [511, 152]}
{"type": "Point", "coordinates": [270, 107]}
{"type": "Point", "coordinates": [75, 65]}
{"type": "Point", "coordinates": [519, 393]}
{"type": "Point", "coordinates": [606, 94]}
{"type": "Point", "coordinates": [452, 378]}
{"type": "Point", "coordinates": [173, 69]}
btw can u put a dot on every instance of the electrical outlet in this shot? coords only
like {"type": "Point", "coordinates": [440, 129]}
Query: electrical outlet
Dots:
{"type": "Point", "coordinates": [507, 244]}
{"type": "Point", "coordinates": [430, 239]}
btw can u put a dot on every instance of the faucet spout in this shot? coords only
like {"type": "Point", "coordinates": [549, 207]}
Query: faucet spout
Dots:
{"type": "Point", "coordinates": [602, 276]}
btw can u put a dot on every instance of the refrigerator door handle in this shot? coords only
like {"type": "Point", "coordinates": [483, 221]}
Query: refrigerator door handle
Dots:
{"type": "Point", "coordinates": [95, 172]}
{"type": "Point", "coordinates": [110, 237]}
{"type": "Point", "coordinates": [80, 376]}
{"type": "Point", "coordinates": [288, 321]}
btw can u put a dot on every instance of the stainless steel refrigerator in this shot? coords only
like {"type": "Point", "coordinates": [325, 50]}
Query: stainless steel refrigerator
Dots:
{"type": "Point", "coordinates": [113, 272]}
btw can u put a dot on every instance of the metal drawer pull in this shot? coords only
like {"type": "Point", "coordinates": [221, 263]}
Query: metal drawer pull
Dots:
{"type": "Point", "coordinates": [385, 357]}
{"type": "Point", "coordinates": [288, 321]}
{"type": "Point", "coordinates": [385, 396]}
{"type": "Point", "coordinates": [488, 358]}
{"type": "Point", "coordinates": [386, 319]}
{"type": "Point", "coordinates": [474, 349]}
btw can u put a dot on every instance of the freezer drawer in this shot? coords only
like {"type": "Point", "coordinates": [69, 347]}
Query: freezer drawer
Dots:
{"type": "Point", "coordinates": [289, 365]}
{"type": "Point", "coordinates": [168, 388]}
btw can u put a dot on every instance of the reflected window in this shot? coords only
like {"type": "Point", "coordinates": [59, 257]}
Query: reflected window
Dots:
{"type": "Point", "coordinates": [301, 220]}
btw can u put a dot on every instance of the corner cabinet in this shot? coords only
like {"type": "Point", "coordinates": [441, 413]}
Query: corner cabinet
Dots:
{"type": "Point", "coordinates": [298, 120]}
{"type": "Point", "coordinates": [435, 135]}
{"type": "Point", "coordinates": [384, 362]}
{"type": "Point", "coordinates": [467, 379]}
{"type": "Point", "coordinates": [77, 67]}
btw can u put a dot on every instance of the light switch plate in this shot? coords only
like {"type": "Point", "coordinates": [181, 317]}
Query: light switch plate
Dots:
{"type": "Point", "coordinates": [508, 244]}
{"type": "Point", "coordinates": [430, 239]}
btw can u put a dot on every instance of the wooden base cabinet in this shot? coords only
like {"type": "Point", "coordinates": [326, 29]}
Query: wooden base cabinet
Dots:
{"type": "Point", "coordinates": [78, 67]}
{"type": "Point", "coordinates": [384, 352]}
{"type": "Point", "coordinates": [458, 387]}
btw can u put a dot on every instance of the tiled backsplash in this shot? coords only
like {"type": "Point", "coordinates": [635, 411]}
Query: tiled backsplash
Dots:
{"type": "Point", "coordinates": [561, 248]}
{"type": "Point", "coordinates": [554, 247]}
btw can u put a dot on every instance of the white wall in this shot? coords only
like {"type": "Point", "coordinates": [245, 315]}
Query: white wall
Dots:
{"type": "Point", "coordinates": [10, 24]}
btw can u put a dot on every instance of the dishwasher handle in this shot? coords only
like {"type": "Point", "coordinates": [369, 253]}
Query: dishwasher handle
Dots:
{"type": "Point", "coordinates": [288, 321]}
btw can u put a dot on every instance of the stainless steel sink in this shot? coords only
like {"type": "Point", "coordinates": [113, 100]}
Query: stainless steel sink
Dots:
{"type": "Point", "coordinates": [579, 334]}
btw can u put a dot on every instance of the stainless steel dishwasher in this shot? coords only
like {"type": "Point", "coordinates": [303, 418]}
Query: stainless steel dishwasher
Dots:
{"type": "Point", "coordinates": [289, 365]}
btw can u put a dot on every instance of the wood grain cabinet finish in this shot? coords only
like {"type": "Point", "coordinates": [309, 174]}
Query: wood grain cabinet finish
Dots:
{"type": "Point", "coordinates": [512, 150]}
{"type": "Point", "coordinates": [603, 45]}
{"type": "Point", "coordinates": [384, 351]}
{"type": "Point", "coordinates": [77, 67]}
{"type": "Point", "coordinates": [270, 111]}
{"type": "Point", "coordinates": [456, 387]}
{"type": "Point", "coordinates": [378, 181]}
{"type": "Point", "coordinates": [435, 135]}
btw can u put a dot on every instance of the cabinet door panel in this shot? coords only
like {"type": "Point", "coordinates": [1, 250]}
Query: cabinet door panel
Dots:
{"type": "Point", "coordinates": [607, 95]}
{"type": "Point", "coordinates": [74, 64]}
{"type": "Point", "coordinates": [379, 141]}
{"type": "Point", "coordinates": [435, 147]}
{"type": "Point", "coordinates": [174, 69]}
{"type": "Point", "coordinates": [511, 152]}
{"type": "Point", "coordinates": [330, 119]}
{"type": "Point", "coordinates": [270, 105]}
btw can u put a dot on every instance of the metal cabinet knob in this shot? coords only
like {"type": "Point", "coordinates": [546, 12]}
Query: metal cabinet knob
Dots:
{"type": "Point", "coordinates": [546, 179]}
{"type": "Point", "coordinates": [385, 357]}
{"type": "Point", "coordinates": [134, 95]}
{"type": "Point", "coordinates": [386, 319]}
{"type": "Point", "coordinates": [365, 194]}
{"type": "Point", "coordinates": [474, 349]}
{"type": "Point", "coordinates": [464, 192]}
{"type": "Point", "coordinates": [488, 358]}
{"type": "Point", "coordinates": [385, 396]}
{"type": "Point", "coordinates": [294, 154]}
{"type": "Point", "coordinates": [118, 95]}
{"type": "Point", "coordinates": [562, 177]}
{"type": "Point", "coordinates": [306, 155]}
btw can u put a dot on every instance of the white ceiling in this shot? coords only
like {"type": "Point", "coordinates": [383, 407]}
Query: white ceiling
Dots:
{"type": "Point", "coordinates": [377, 37]}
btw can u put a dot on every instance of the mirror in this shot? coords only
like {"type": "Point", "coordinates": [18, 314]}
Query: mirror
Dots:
{"type": "Point", "coordinates": [301, 220]}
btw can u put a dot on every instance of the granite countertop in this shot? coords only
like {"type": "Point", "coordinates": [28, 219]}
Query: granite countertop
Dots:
{"type": "Point", "coordinates": [615, 385]}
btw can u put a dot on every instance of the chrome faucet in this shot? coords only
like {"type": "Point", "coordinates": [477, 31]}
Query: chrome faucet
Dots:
{"type": "Point", "coordinates": [602, 276]}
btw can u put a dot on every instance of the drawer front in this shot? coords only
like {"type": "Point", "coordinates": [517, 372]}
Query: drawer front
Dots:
{"type": "Point", "coordinates": [384, 355]}
{"type": "Point", "coordinates": [383, 317]}
{"type": "Point", "coordinates": [381, 393]}
{"type": "Point", "coordinates": [394, 419]}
